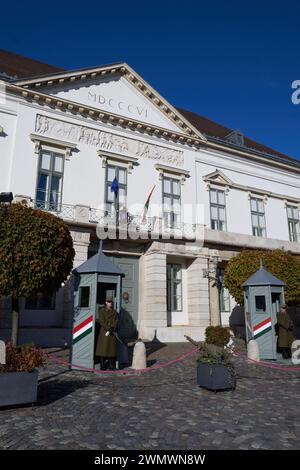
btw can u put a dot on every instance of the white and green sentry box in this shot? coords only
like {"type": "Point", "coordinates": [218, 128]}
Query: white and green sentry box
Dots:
{"type": "Point", "coordinates": [95, 280]}
{"type": "Point", "coordinates": [263, 295]}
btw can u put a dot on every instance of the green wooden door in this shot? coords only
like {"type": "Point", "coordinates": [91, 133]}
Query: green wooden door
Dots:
{"type": "Point", "coordinates": [129, 296]}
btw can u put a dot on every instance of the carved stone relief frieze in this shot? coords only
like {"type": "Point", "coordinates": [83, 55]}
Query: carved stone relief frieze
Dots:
{"type": "Point", "coordinates": [106, 141]}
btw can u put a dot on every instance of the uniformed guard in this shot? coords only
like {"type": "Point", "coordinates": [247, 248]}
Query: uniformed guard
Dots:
{"type": "Point", "coordinates": [285, 332]}
{"type": "Point", "coordinates": [107, 342]}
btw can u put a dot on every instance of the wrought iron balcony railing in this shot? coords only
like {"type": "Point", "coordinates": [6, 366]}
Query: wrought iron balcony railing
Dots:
{"type": "Point", "coordinates": [123, 220]}
{"type": "Point", "coordinates": [65, 211]}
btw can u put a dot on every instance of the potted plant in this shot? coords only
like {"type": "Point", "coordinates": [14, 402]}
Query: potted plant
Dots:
{"type": "Point", "coordinates": [215, 369]}
{"type": "Point", "coordinates": [18, 376]}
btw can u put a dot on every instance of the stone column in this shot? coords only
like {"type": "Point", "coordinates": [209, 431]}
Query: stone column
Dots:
{"type": "Point", "coordinates": [81, 242]}
{"type": "Point", "coordinates": [198, 294]}
{"type": "Point", "coordinates": [153, 314]}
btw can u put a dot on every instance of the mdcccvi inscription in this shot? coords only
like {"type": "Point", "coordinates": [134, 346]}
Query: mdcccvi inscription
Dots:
{"type": "Point", "coordinates": [106, 140]}
{"type": "Point", "coordinates": [118, 106]}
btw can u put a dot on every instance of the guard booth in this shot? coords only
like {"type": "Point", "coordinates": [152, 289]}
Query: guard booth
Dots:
{"type": "Point", "coordinates": [263, 295]}
{"type": "Point", "coordinates": [95, 279]}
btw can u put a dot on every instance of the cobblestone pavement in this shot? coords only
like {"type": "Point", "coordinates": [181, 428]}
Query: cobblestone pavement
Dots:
{"type": "Point", "coordinates": [162, 409]}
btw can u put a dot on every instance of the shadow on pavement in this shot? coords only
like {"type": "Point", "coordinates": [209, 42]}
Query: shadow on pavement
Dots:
{"type": "Point", "coordinates": [154, 345]}
{"type": "Point", "coordinates": [53, 390]}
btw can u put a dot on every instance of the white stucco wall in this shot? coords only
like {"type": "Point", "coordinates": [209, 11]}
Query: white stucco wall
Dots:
{"type": "Point", "coordinates": [84, 175]}
{"type": "Point", "coordinates": [84, 180]}
{"type": "Point", "coordinates": [248, 174]}
{"type": "Point", "coordinates": [8, 121]}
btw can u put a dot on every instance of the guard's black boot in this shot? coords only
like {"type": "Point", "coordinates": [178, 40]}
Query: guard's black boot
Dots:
{"type": "Point", "coordinates": [103, 365]}
{"type": "Point", "coordinates": [285, 354]}
{"type": "Point", "coordinates": [112, 364]}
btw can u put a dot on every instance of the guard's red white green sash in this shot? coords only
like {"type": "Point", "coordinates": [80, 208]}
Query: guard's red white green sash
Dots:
{"type": "Point", "coordinates": [83, 329]}
{"type": "Point", "coordinates": [262, 328]}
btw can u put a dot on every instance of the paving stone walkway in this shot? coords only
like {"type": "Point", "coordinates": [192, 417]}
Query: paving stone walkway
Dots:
{"type": "Point", "coordinates": [162, 409]}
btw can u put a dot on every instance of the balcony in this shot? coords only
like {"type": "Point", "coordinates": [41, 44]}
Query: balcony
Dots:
{"type": "Point", "coordinates": [149, 227]}
{"type": "Point", "coordinates": [158, 228]}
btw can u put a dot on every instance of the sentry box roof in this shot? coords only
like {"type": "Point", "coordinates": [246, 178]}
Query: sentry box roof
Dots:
{"type": "Point", "coordinates": [99, 263]}
{"type": "Point", "coordinates": [262, 278]}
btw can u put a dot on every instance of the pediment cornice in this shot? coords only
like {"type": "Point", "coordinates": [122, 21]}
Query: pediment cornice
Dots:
{"type": "Point", "coordinates": [100, 115]}
{"type": "Point", "coordinates": [123, 69]}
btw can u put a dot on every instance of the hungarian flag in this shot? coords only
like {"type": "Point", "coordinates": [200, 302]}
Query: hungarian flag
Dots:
{"type": "Point", "coordinates": [143, 215]}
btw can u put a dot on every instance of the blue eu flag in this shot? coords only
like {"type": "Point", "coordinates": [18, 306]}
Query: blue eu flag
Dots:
{"type": "Point", "coordinates": [115, 186]}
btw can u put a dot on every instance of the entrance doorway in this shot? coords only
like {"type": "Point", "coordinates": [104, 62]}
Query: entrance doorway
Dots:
{"type": "Point", "coordinates": [128, 317]}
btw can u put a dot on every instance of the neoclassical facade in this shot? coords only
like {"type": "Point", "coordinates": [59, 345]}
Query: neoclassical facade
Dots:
{"type": "Point", "coordinates": [190, 195]}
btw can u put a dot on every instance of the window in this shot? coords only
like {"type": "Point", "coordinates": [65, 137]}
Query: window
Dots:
{"type": "Point", "coordinates": [49, 184]}
{"type": "Point", "coordinates": [260, 304]}
{"type": "Point", "coordinates": [84, 296]}
{"type": "Point", "coordinates": [258, 217]}
{"type": "Point", "coordinates": [171, 202]}
{"type": "Point", "coordinates": [224, 296]}
{"type": "Point", "coordinates": [115, 204]}
{"type": "Point", "coordinates": [293, 223]}
{"type": "Point", "coordinates": [174, 287]}
{"type": "Point", "coordinates": [217, 209]}
{"type": "Point", "coordinates": [40, 302]}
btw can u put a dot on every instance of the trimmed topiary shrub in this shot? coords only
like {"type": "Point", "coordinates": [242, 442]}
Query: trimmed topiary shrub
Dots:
{"type": "Point", "coordinates": [217, 335]}
{"type": "Point", "coordinates": [280, 263]}
{"type": "Point", "coordinates": [36, 255]}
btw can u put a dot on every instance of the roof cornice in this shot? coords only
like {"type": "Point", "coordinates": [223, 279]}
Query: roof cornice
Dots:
{"type": "Point", "coordinates": [70, 75]}
{"type": "Point", "coordinates": [134, 78]}
{"type": "Point", "coordinates": [149, 129]}
{"type": "Point", "coordinates": [256, 156]}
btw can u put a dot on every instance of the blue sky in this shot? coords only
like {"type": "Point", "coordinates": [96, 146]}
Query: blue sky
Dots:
{"type": "Point", "coordinates": [232, 61]}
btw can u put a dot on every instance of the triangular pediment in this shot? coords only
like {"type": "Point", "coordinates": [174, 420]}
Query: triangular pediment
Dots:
{"type": "Point", "coordinates": [217, 177]}
{"type": "Point", "coordinates": [113, 95]}
{"type": "Point", "coordinates": [114, 89]}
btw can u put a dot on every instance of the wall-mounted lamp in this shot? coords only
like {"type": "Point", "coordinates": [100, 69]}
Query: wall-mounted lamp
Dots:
{"type": "Point", "coordinates": [5, 200]}
{"type": "Point", "coordinates": [6, 197]}
{"type": "Point", "coordinates": [212, 272]}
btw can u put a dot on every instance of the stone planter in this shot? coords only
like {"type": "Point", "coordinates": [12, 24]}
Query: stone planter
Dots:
{"type": "Point", "coordinates": [215, 377]}
{"type": "Point", "coordinates": [18, 387]}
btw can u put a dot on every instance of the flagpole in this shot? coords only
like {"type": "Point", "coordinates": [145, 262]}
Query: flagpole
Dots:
{"type": "Point", "coordinates": [117, 208]}
{"type": "Point", "coordinates": [145, 209]}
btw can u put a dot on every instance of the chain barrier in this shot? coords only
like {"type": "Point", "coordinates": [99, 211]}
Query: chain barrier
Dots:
{"type": "Point", "coordinates": [58, 360]}
{"type": "Point", "coordinates": [265, 364]}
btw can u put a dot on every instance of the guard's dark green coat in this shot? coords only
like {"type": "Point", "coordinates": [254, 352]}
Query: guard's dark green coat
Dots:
{"type": "Point", "coordinates": [107, 345]}
{"type": "Point", "coordinates": [285, 330]}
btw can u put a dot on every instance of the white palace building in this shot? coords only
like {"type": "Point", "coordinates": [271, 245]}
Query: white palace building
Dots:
{"type": "Point", "coordinates": [66, 135]}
